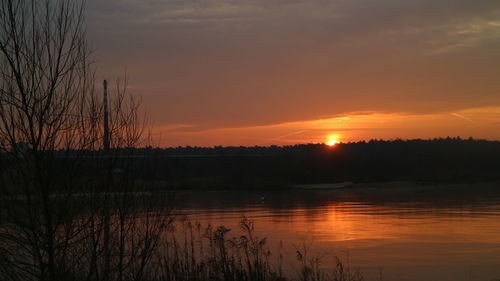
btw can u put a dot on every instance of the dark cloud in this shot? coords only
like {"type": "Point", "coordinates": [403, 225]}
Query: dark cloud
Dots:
{"type": "Point", "coordinates": [240, 63]}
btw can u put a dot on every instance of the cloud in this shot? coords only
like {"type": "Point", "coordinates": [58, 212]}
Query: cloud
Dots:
{"type": "Point", "coordinates": [480, 123]}
{"type": "Point", "coordinates": [222, 63]}
{"type": "Point", "coordinates": [467, 35]}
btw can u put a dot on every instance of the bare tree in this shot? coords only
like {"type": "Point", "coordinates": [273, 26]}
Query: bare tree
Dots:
{"type": "Point", "coordinates": [44, 91]}
{"type": "Point", "coordinates": [58, 189]}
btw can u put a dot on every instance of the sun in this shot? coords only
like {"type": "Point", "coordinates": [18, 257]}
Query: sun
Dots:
{"type": "Point", "coordinates": [332, 142]}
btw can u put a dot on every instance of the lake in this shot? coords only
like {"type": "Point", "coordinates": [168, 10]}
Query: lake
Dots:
{"type": "Point", "coordinates": [389, 232]}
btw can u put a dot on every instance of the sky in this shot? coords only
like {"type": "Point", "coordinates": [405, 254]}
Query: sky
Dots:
{"type": "Point", "coordinates": [262, 72]}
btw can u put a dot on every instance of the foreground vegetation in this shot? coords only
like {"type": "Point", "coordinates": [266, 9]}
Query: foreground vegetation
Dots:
{"type": "Point", "coordinates": [148, 247]}
{"type": "Point", "coordinates": [200, 253]}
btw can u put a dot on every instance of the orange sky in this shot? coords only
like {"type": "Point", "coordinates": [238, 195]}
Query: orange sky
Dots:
{"type": "Point", "coordinates": [253, 72]}
{"type": "Point", "coordinates": [479, 122]}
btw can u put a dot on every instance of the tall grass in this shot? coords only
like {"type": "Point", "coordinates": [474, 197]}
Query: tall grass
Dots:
{"type": "Point", "coordinates": [148, 246]}
{"type": "Point", "coordinates": [193, 252]}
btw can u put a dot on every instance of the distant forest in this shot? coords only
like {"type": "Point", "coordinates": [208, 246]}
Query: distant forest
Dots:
{"type": "Point", "coordinates": [444, 160]}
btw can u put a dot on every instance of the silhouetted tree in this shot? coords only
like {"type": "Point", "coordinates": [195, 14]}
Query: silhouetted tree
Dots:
{"type": "Point", "coordinates": [59, 193]}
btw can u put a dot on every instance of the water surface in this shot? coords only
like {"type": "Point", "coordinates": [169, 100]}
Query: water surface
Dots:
{"type": "Point", "coordinates": [400, 233]}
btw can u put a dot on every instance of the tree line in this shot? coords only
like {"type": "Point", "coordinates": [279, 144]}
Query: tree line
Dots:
{"type": "Point", "coordinates": [441, 160]}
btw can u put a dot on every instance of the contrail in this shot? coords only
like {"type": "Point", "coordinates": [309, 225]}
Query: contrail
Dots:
{"type": "Point", "coordinates": [465, 118]}
{"type": "Point", "coordinates": [284, 136]}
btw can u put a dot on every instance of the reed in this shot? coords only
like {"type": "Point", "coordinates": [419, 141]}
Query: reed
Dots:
{"type": "Point", "coordinates": [193, 252]}
{"type": "Point", "coordinates": [153, 246]}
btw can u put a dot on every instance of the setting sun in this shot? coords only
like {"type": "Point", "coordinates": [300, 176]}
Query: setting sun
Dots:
{"type": "Point", "coordinates": [331, 142]}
